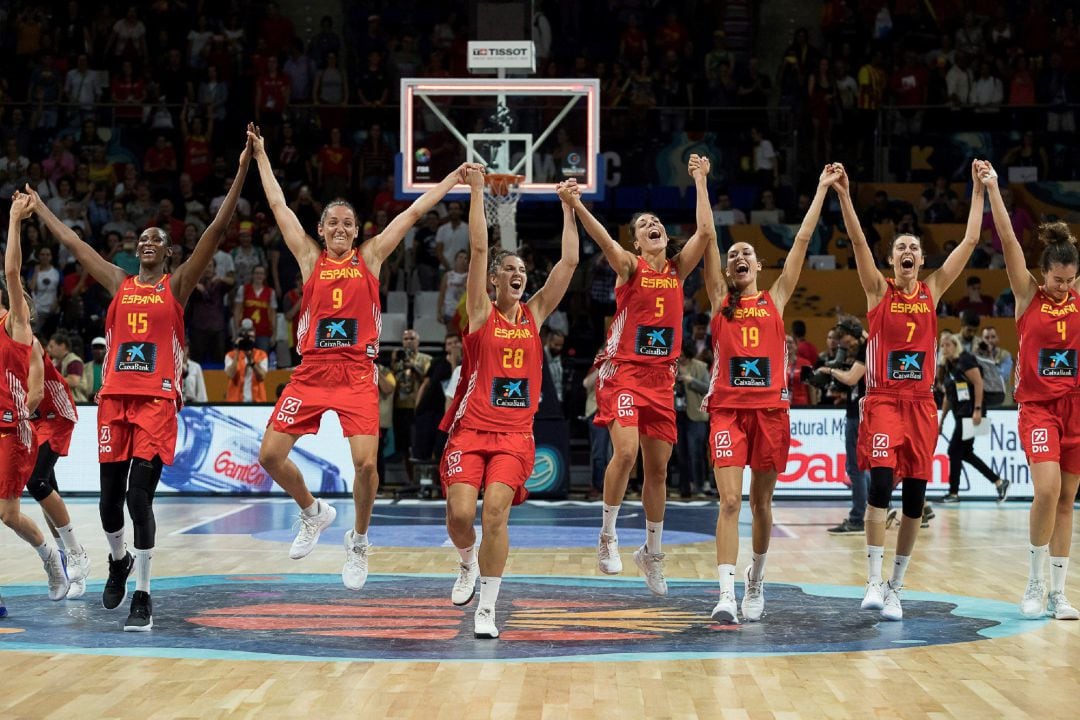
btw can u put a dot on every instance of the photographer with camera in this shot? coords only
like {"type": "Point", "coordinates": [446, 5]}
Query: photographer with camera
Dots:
{"type": "Point", "coordinates": [409, 366]}
{"type": "Point", "coordinates": [847, 372]}
{"type": "Point", "coordinates": [246, 368]}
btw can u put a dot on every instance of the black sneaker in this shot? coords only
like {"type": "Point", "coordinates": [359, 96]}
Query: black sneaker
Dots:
{"type": "Point", "coordinates": [950, 499]}
{"type": "Point", "coordinates": [928, 512]}
{"type": "Point", "coordinates": [116, 586]}
{"type": "Point", "coordinates": [1003, 490]}
{"type": "Point", "coordinates": [140, 619]}
{"type": "Point", "coordinates": [846, 528]}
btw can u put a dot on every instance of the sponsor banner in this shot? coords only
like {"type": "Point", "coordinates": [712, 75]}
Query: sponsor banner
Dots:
{"type": "Point", "coordinates": [218, 449]}
{"type": "Point", "coordinates": [502, 55]}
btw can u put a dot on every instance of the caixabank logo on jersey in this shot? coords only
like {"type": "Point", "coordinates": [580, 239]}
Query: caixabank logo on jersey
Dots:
{"type": "Point", "coordinates": [655, 341]}
{"type": "Point", "coordinates": [750, 372]}
{"type": "Point", "coordinates": [1057, 362]}
{"type": "Point", "coordinates": [906, 365]}
{"type": "Point", "coordinates": [136, 357]}
{"type": "Point", "coordinates": [510, 392]}
{"type": "Point", "coordinates": [407, 617]}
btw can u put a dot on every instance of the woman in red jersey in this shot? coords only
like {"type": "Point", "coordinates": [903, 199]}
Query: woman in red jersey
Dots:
{"type": "Point", "coordinates": [337, 333]}
{"type": "Point", "coordinates": [141, 389]}
{"type": "Point", "coordinates": [490, 421]}
{"type": "Point", "coordinates": [635, 388]}
{"type": "Point", "coordinates": [1048, 393]}
{"type": "Point", "coordinates": [899, 425]}
{"type": "Point", "coordinates": [749, 397]}
{"type": "Point", "coordinates": [20, 394]}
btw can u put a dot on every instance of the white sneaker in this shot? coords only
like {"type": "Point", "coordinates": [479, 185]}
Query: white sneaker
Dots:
{"type": "Point", "coordinates": [726, 610]}
{"type": "Point", "coordinates": [753, 599]}
{"type": "Point", "coordinates": [891, 609]}
{"type": "Point", "coordinates": [874, 598]}
{"type": "Point", "coordinates": [607, 555]}
{"type": "Point", "coordinates": [76, 590]}
{"type": "Point", "coordinates": [78, 566]}
{"type": "Point", "coordinates": [652, 566]}
{"type": "Point", "coordinates": [1059, 608]}
{"type": "Point", "coordinates": [354, 573]}
{"type": "Point", "coordinates": [310, 530]}
{"type": "Point", "coordinates": [484, 624]}
{"type": "Point", "coordinates": [1033, 605]}
{"type": "Point", "coordinates": [465, 585]}
{"type": "Point", "coordinates": [58, 580]}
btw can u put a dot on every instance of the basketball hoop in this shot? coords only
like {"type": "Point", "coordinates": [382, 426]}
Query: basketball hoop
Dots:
{"type": "Point", "coordinates": [501, 194]}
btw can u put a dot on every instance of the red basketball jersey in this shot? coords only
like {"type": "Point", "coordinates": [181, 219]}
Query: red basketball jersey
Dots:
{"type": "Point", "coordinates": [1049, 334]}
{"type": "Point", "coordinates": [256, 305]}
{"type": "Point", "coordinates": [647, 329]}
{"type": "Point", "coordinates": [144, 337]}
{"type": "Point", "coordinates": [901, 353]}
{"type": "Point", "coordinates": [15, 365]}
{"type": "Point", "coordinates": [750, 351]}
{"type": "Point", "coordinates": [57, 402]}
{"type": "Point", "coordinates": [340, 317]}
{"type": "Point", "coordinates": [500, 376]}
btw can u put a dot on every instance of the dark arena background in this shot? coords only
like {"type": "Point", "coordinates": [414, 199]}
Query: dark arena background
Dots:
{"type": "Point", "coordinates": [128, 115]}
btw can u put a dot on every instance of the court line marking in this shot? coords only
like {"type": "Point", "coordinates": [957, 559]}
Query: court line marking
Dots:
{"type": "Point", "coordinates": [211, 519]}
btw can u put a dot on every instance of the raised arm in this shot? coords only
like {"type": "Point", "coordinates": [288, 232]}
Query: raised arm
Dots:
{"type": "Point", "coordinates": [303, 248]}
{"type": "Point", "coordinates": [187, 275]}
{"type": "Point", "coordinates": [872, 280]}
{"type": "Point", "coordinates": [1022, 281]}
{"type": "Point", "coordinates": [940, 280]}
{"type": "Point", "coordinates": [785, 284]}
{"type": "Point", "coordinates": [476, 295]}
{"type": "Point", "coordinates": [548, 297]}
{"type": "Point", "coordinates": [705, 235]}
{"type": "Point", "coordinates": [18, 319]}
{"type": "Point", "coordinates": [378, 248]}
{"type": "Point", "coordinates": [110, 276]}
{"type": "Point", "coordinates": [622, 261]}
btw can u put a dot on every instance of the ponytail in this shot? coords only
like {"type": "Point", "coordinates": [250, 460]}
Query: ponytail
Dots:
{"type": "Point", "coordinates": [728, 310]}
{"type": "Point", "coordinates": [1060, 245]}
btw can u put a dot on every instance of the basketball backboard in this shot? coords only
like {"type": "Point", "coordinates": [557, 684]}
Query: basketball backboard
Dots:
{"type": "Point", "coordinates": [546, 130]}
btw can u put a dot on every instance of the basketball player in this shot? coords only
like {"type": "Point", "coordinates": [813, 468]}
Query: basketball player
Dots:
{"type": "Point", "coordinates": [490, 421]}
{"type": "Point", "coordinates": [1048, 391]}
{"type": "Point", "coordinates": [141, 389]}
{"type": "Point", "coordinates": [899, 424]}
{"type": "Point", "coordinates": [748, 398]}
{"type": "Point", "coordinates": [635, 393]}
{"type": "Point", "coordinates": [338, 336]}
{"type": "Point", "coordinates": [20, 394]}
{"type": "Point", "coordinates": [53, 423]}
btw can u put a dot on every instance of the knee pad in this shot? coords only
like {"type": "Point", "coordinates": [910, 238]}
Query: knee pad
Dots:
{"type": "Point", "coordinates": [881, 487]}
{"type": "Point", "coordinates": [914, 497]}
{"type": "Point", "coordinates": [140, 500]}
{"type": "Point", "coordinates": [43, 479]}
{"type": "Point", "coordinates": [39, 487]}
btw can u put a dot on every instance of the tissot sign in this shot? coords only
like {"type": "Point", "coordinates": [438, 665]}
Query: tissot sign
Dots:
{"type": "Point", "coordinates": [502, 55]}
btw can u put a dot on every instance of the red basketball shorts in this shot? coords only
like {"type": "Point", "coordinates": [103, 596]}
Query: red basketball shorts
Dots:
{"type": "Point", "coordinates": [132, 426]}
{"type": "Point", "coordinates": [637, 396]}
{"type": "Point", "coordinates": [758, 437]}
{"type": "Point", "coordinates": [480, 458]}
{"type": "Point", "coordinates": [900, 434]}
{"type": "Point", "coordinates": [57, 433]}
{"type": "Point", "coordinates": [1050, 431]}
{"type": "Point", "coordinates": [18, 453]}
{"type": "Point", "coordinates": [350, 389]}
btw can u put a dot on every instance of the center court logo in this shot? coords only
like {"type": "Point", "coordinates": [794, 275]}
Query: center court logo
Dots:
{"type": "Point", "coordinates": [880, 443]}
{"type": "Point", "coordinates": [722, 444]}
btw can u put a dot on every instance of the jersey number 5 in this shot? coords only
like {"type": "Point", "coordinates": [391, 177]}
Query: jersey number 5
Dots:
{"type": "Point", "coordinates": [137, 323]}
{"type": "Point", "coordinates": [659, 308]}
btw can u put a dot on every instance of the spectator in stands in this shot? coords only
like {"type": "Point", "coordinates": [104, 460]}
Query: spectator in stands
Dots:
{"type": "Point", "coordinates": [987, 94]}
{"type": "Point", "coordinates": [276, 29]}
{"type": "Point", "coordinates": [256, 301]}
{"type": "Point", "coordinates": [373, 88]}
{"type": "Point", "coordinates": [214, 94]}
{"type": "Point", "coordinates": [387, 383]}
{"type": "Point", "coordinates": [246, 367]}
{"type": "Point", "coordinates": [1021, 220]}
{"type": "Point", "coordinates": [939, 203]}
{"type": "Point", "coordinates": [909, 85]}
{"type": "Point", "coordinates": [969, 329]}
{"type": "Point", "coordinates": [691, 385]}
{"type": "Point", "coordinates": [409, 366]}
{"type": "Point", "coordinates": [765, 162]}
{"type": "Point", "coordinates": [1057, 89]}
{"type": "Point", "coordinates": [14, 169]}
{"type": "Point", "coordinates": [974, 300]}
{"type": "Point", "coordinates": [159, 163]}
{"type": "Point", "coordinates": [82, 85]}
{"type": "Point", "coordinates": [1005, 305]}
{"type": "Point", "coordinates": [724, 213]}
{"type": "Point", "coordinates": [90, 382]}
{"type": "Point", "coordinates": [882, 211]}
{"type": "Point", "coordinates": [700, 338]}
{"type": "Point", "coordinates": [301, 71]}
{"type": "Point", "coordinates": [1027, 154]}
{"type": "Point", "coordinates": [167, 220]}
{"type": "Point", "coordinates": [197, 136]}
{"type": "Point", "coordinates": [324, 43]}
{"type": "Point", "coordinates": [1001, 357]}
{"type": "Point", "coordinates": [44, 288]}
{"type": "Point", "coordinates": [959, 81]}
{"type": "Point", "coordinates": [206, 315]}
{"type": "Point", "coordinates": [124, 255]}
{"type": "Point", "coordinates": [334, 166]}
{"type": "Point", "coordinates": [768, 204]}
{"type": "Point", "coordinates": [68, 362]}
{"type": "Point", "coordinates": [128, 38]}
{"type": "Point", "coordinates": [425, 256]}
{"type": "Point", "coordinates": [331, 92]}
{"type": "Point", "coordinates": [852, 375]}
{"type": "Point", "coordinates": [802, 393]}
{"type": "Point", "coordinates": [428, 441]}
{"type": "Point", "coordinates": [452, 236]}
{"type": "Point", "coordinates": [271, 96]}
{"type": "Point", "coordinates": [803, 347]}
{"type": "Point", "coordinates": [192, 378]}
{"type": "Point", "coordinates": [246, 255]}
{"type": "Point", "coordinates": [452, 287]}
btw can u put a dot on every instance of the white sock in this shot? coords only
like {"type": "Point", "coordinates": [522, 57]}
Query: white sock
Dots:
{"type": "Point", "coordinates": [311, 510]}
{"type": "Point", "coordinates": [875, 554]}
{"type": "Point", "coordinates": [654, 531]}
{"type": "Point", "coordinates": [611, 513]}
{"type": "Point", "coordinates": [59, 539]}
{"type": "Point", "coordinates": [359, 539]}
{"type": "Point", "coordinates": [900, 563]}
{"type": "Point", "coordinates": [727, 578]}
{"type": "Point", "coordinates": [116, 544]}
{"type": "Point", "coordinates": [142, 569]}
{"type": "Point", "coordinates": [67, 539]}
{"type": "Point", "coordinates": [489, 591]}
{"type": "Point", "coordinates": [43, 550]}
{"type": "Point", "coordinates": [468, 555]}
{"type": "Point", "coordinates": [1038, 555]}
{"type": "Point", "coordinates": [757, 567]}
{"type": "Point", "coordinates": [1058, 567]}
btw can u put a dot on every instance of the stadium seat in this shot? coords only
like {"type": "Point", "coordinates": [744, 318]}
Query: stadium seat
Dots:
{"type": "Point", "coordinates": [397, 301]}
{"type": "Point", "coordinates": [393, 325]}
{"type": "Point", "coordinates": [425, 304]}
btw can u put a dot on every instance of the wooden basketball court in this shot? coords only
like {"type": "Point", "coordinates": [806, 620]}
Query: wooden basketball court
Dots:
{"type": "Point", "coordinates": [242, 631]}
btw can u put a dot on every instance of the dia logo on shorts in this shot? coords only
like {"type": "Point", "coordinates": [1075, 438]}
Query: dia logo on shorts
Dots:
{"type": "Point", "coordinates": [881, 445]}
{"type": "Point", "coordinates": [1040, 441]}
{"type": "Point", "coordinates": [626, 405]}
{"type": "Point", "coordinates": [722, 444]}
{"type": "Point", "coordinates": [289, 407]}
{"type": "Point", "coordinates": [452, 463]}
{"type": "Point", "coordinates": [104, 439]}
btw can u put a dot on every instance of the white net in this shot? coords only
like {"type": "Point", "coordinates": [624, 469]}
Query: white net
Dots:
{"type": "Point", "coordinates": [501, 195]}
